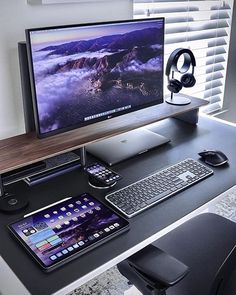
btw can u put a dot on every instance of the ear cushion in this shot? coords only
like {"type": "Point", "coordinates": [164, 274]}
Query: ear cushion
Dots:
{"type": "Point", "coordinates": [174, 86]}
{"type": "Point", "coordinates": [188, 80]}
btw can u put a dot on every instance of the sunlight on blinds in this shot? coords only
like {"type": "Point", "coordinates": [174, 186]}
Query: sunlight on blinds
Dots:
{"type": "Point", "coordinates": [202, 26]}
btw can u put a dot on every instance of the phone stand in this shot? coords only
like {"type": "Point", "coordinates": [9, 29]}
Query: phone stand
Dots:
{"type": "Point", "coordinates": [98, 185]}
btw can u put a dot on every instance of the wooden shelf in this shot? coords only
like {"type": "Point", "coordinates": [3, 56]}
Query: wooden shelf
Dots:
{"type": "Point", "coordinates": [25, 149]}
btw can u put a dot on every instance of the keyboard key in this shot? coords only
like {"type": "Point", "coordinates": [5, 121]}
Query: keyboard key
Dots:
{"type": "Point", "coordinates": [158, 197]}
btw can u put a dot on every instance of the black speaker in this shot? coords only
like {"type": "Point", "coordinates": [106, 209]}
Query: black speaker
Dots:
{"type": "Point", "coordinates": [26, 88]}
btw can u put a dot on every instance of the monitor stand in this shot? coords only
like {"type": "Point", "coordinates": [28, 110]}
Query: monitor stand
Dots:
{"type": "Point", "coordinates": [124, 146]}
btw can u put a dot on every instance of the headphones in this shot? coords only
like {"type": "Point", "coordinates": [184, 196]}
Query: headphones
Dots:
{"type": "Point", "coordinates": [188, 79]}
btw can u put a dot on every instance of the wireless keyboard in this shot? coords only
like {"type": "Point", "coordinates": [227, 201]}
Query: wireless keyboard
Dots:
{"type": "Point", "coordinates": [153, 189]}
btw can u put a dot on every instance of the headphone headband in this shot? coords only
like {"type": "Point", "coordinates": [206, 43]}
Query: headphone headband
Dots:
{"type": "Point", "coordinates": [172, 62]}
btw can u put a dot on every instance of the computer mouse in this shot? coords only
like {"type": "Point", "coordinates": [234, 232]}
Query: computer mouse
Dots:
{"type": "Point", "coordinates": [214, 158]}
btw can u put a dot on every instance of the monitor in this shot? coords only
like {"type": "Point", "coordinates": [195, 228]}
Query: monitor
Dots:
{"type": "Point", "coordinates": [82, 74]}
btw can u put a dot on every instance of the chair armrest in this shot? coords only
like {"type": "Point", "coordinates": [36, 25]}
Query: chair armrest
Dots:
{"type": "Point", "coordinates": [158, 267]}
{"type": "Point", "coordinates": [224, 273]}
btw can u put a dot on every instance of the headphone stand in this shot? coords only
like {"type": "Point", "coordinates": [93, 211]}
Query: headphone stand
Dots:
{"type": "Point", "coordinates": [187, 79]}
{"type": "Point", "coordinates": [178, 99]}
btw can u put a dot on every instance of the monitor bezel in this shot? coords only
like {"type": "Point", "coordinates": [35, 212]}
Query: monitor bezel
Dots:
{"type": "Point", "coordinates": [96, 120]}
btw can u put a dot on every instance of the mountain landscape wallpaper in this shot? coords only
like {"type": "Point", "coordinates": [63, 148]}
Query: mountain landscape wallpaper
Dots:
{"type": "Point", "coordinates": [82, 73]}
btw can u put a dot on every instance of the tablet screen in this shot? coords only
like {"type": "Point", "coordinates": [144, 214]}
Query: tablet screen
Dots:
{"type": "Point", "coordinates": [67, 229]}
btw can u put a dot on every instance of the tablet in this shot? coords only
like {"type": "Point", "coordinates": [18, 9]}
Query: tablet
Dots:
{"type": "Point", "coordinates": [67, 229]}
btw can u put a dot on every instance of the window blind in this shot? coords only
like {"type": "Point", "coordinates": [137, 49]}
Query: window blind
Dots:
{"type": "Point", "coordinates": [202, 26]}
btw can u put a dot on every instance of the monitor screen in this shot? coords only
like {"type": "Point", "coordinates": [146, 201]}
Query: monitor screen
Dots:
{"type": "Point", "coordinates": [81, 74]}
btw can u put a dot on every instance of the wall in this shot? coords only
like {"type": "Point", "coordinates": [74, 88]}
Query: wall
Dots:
{"type": "Point", "coordinates": [15, 17]}
{"type": "Point", "coordinates": [230, 84]}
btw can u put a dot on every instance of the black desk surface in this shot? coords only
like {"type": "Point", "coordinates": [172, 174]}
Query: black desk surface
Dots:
{"type": "Point", "coordinates": [186, 141]}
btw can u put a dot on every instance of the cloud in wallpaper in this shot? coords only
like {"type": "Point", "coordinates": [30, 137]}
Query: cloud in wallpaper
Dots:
{"type": "Point", "coordinates": [78, 76]}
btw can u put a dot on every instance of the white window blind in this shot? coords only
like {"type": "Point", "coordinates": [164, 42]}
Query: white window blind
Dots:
{"type": "Point", "coordinates": [202, 26]}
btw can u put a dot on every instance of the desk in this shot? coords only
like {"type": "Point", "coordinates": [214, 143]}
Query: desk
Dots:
{"type": "Point", "coordinates": [186, 141]}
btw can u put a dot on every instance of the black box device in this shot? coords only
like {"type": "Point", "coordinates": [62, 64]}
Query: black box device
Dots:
{"type": "Point", "coordinates": [66, 229]}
